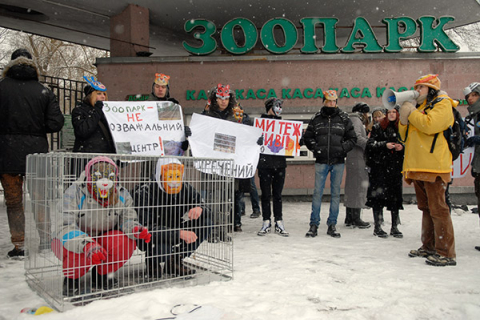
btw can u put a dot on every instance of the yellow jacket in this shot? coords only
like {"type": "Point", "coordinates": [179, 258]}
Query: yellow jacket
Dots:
{"type": "Point", "coordinates": [424, 123]}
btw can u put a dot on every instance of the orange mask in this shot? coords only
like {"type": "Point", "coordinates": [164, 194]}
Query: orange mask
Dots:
{"type": "Point", "coordinates": [172, 178]}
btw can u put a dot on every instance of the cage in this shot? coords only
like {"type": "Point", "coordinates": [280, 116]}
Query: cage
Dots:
{"type": "Point", "coordinates": [86, 216]}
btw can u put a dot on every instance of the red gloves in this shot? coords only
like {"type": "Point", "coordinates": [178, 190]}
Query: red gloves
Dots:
{"type": "Point", "coordinates": [140, 232]}
{"type": "Point", "coordinates": [95, 252]}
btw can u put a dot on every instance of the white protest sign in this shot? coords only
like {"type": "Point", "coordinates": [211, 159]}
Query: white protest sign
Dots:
{"type": "Point", "coordinates": [146, 127]}
{"type": "Point", "coordinates": [280, 137]}
{"type": "Point", "coordinates": [221, 139]}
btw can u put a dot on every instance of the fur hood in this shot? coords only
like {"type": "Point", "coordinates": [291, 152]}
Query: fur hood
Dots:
{"type": "Point", "coordinates": [22, 69]}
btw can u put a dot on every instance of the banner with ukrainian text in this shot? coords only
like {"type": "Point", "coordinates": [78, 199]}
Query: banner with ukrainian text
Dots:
{"type": "Point", "coordinates": [146, 127]}
{"type": "Point", "coordinates": [280, 137]}
{"type": "Point", "coordinates": [221, 139]}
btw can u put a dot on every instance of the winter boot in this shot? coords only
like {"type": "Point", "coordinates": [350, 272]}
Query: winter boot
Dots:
{"type": "Point", "coordinates": [71, 287]}
{"type": "Point", "coordinates": [175, 267]}
{"type": "Point", "coordinates": [280, 229]}
{"type": "Point", "coordinates": [421, 252]}
{"type": "Point", "coordinates": [332, 231]}
{"type": "Point", "coordinates": [16, 253]}
{"type": "Point", "coordinates": [394, 230]}
{"type": "Point", "coordinates": [440, 261]}
{"type": "Point", "coordinates": [357, 221]}
{"type": "Point", "coordinates": [255, 214]}
{"type": "Point", "coordinates": [377, 214]}
{"type": "Point", "coordinates": [266, 227]}
{"type": "Point", "coordinates": [312, 232]}
{"type": "Point", "coordinates": [348, 217]}
{"type": "Point", "coordinates": [102, 281]}
{"type": "Point", "coordinates": [477, 248]}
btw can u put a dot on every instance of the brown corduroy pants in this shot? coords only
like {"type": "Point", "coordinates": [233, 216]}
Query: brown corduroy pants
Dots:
{"type": "Point", "coordinates": [437, 226]}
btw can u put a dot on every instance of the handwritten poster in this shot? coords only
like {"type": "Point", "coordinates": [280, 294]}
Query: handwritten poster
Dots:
{"type": "Point", "coordinates": [280, 137]}
{"type": "Point", "coordinates": [221, 139]}
{"type": "Point", "coordinates": [146, 127]}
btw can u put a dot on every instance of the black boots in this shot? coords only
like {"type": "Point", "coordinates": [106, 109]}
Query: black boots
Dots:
{"type": "Point", "coordinates": [332, 231]}
{"type": "Point", "coordinates": [356, 220]}
{"type": "Point", "coordinates": [377, 217]}
{"type": "Point", "coordinates": [312, 232]}
{"type": "Point", "coordinates": [395, 221]}
{"type": "Point", "coordinates": [348, 218]}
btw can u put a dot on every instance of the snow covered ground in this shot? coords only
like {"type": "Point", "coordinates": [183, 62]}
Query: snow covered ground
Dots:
{"type": "Point", "coordinates": [358, 276]}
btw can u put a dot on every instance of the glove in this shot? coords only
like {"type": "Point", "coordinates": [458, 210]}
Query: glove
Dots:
{"type": "Point", "coordinates": [95, 252]}
{"type": "Point", "coordinates": [472, 141]}
{"type": "Point", "coordinates": [188, 236]}
{"type": "Point", "coordinates": [185, 145]}
{"type": "Point", "coordinates": [99, 105]}
{"type": "Point", "coordinates": [195, 213]}
{"type": "Point", "coordinates": [140, 232]}
{"type": "Point", "coordinates": [405, 110]}
{"type": "Point", "coordinates": [260, 141]}
{"type": "Point", "coordinates": [188, 131]}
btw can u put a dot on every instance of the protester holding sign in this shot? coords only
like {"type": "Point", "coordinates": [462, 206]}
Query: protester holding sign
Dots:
{"type": "Point", "coordinates": [428, 164]}
{"type": "Point", "coordinates": [90, 126]}
{"type": "Point", "coordinates": [223, 105]}
{"type": "Point", "coordinates": [271, 171]}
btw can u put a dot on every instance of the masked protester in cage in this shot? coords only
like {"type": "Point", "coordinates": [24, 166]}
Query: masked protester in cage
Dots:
{"type": "Point", "coordinates": [97, 228]}
{"type": "Point", "coordinates": [428, 165]}
{"type": "Point", "coordinates": [384, 157]}
{"type": "Point", "coordinates": [178, 218]}
{"type": "Point", "coordinates": [29, 111]}
{"type": "Point", "coordinates": [222, 104]}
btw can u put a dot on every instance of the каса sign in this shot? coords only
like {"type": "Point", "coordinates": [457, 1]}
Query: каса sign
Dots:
{"type": "Point", "coordinates": [431, 32]}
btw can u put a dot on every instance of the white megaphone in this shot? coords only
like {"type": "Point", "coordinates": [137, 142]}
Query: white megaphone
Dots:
{"type": "Point", "coordinates": [391, 98]}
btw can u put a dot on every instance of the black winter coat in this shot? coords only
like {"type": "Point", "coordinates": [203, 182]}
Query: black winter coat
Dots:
{"type": "Point", "coordinates": [330, 136]}
{"type": "Point", "coordinates": [385, 177]}
{"type": "Point", "coordinates": [268, 160]}
{"type": "Point", "coordinates": [28, 111]}
{"type": "Point", "coordinates": [157, 209]}
{"type": "Point", "coordinates": [89, 136]}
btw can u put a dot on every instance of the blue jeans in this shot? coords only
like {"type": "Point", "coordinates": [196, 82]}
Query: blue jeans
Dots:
{"type": "Point", "coordinates": [336, 175]}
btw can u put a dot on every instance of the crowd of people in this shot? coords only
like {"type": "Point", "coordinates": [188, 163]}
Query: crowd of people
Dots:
{"type": "Point", "coordinates": [169, 213]}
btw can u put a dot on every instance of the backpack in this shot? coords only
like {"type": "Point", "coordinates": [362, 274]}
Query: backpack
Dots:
{"type": "Point", "coordinates": [456, 135]}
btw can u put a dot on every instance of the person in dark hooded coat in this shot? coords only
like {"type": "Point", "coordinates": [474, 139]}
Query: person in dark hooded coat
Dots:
{"type": "Point", "coordinates": [29, 111]}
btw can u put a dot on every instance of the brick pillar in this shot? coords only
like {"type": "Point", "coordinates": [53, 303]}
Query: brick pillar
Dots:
{"type": "Point", "coordinates": [129, 32]}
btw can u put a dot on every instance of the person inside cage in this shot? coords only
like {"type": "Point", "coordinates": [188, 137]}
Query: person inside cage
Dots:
{"type": "Point", "coordinates": [177, 216]}
{"type": "Point", "coordinates": [96, 228]}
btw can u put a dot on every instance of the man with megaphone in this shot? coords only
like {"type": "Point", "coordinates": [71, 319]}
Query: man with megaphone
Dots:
{"type": "Point", "coordinates": [427, 164]}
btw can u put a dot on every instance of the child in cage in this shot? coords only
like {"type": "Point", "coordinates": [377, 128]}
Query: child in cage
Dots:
{"type": "Point", "coordinates": [97, 229]}
{"type": "Point", "coordinates": [178, 218]}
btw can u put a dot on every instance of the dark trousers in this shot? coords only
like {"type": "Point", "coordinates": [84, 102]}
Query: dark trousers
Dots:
{"type": "Point", "coordinates": [271, 184]}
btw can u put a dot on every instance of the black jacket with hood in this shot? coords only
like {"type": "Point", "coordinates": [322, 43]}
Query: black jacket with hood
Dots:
{"type": "Point", "coordinates": [29, 111]}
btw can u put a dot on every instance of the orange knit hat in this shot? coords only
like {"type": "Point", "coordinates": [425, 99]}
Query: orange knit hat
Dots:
{"type": "Point", "coordinates": [429, 80]}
